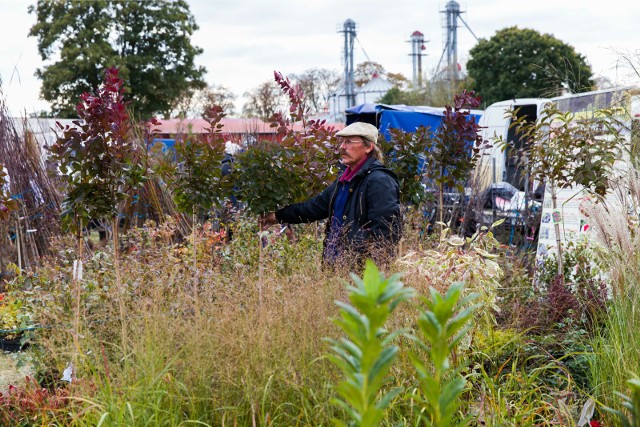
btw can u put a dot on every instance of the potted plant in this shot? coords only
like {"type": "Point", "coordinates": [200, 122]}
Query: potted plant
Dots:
{"type": "Point", "coordinates": [14, 320]}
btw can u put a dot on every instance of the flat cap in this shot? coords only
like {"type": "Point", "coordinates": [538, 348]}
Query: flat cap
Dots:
{"type": "Point", "coordinates": [365, 130]}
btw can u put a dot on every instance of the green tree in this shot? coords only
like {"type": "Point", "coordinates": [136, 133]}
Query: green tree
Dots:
{"type": "Point", "coordinates": [522, 63]}
{"type": "Point", "coordinates": [148, 41]}
{"type": "Point", "coordinates": [567, 151]}
{"type": "Point", "coordinates": [435, 93]}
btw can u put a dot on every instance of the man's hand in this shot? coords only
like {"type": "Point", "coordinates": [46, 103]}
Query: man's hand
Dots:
{"type": "Point", "coordinates": [267, 220]}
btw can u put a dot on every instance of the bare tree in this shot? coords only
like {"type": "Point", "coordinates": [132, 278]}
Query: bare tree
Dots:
{"type": "Point", "coordinates": [263, 101]}
{"type": "Point", "coordinates": [317, 84]}
{"type": "Point", "coordinates": [194, 103]}
{"type": "Point", "coordinates": [365, 71]}
{"type": "Point", "coordinates": [398, 80]}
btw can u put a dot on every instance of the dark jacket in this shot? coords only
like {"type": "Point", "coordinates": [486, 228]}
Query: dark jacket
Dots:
{"type": "Point", "coordinates": [227, 164]}
{"type": "Point", "coordinates": [372, 211]}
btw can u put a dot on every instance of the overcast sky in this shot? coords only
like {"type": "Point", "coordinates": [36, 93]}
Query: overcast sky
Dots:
{"type": "Point", "coordinates": [244, 41]}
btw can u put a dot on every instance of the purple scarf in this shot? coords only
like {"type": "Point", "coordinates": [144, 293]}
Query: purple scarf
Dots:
{"type": "Point", "coordinates": [350, 173]}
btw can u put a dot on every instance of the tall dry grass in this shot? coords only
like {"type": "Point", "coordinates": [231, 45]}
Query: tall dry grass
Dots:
{"type": "Point", "coordinates": [615, 344]}
{"type": "Point", "coordinates": [225, 342]}
{"type": "Point", "coordinates": [201, 344]}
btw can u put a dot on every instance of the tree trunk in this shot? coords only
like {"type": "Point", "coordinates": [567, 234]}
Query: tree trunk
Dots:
{"type": "Point", "coordinates": [195, 261]}
{"type": "Point", "coordinates": [77, 269]}
{"type": "Point", "coordinates": [116, 266]}
{"type": "Point", "coordinates": [261, 244]}
{"type": "Point", "coordinates": [556, 226]}
{"type": "Point", "coordinates": [441, 205]}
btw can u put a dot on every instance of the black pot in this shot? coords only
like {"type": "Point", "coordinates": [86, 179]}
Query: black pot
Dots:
{"type": "Point", "coordinates": [11, 345]}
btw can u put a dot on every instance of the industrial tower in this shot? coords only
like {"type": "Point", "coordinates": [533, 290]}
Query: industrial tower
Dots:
{"type": "Point", "coordinates": [349, 30]}
{"type": "Point", "coordinates": [417, 46]}
{"type": "Point", "coordinates": [452, 14]}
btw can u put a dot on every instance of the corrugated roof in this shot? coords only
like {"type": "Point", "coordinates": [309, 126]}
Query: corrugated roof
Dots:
{"type": "Point", "coordinates": [376, 84]}
{"type": "Point", "coordinates": [229, 126]}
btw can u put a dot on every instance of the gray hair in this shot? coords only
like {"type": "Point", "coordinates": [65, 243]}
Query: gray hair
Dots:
{"type": "Point", "coordinates": [375, 153]}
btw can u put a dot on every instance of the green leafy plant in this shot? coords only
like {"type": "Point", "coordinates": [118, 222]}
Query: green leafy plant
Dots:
{"type": "Point", "coordinates": [454, 149]}
{"type": "Point", "coordinates": [14, 315]}
{"type": "Point", "coordinates": [269, 177]}
{"type": "Point", "coordinates": [631, 404]}
{"type": "Point", "coordinates": [195, 175]}
{"type": "Point", "coordinates": [404, 151]}
{"type": "Point", "coordinates": [565, 150]}
{"type": "Point", "coordinates": [443, 324]}
{"type": "Point", "coordinates": [366, 354]}
{"type": "Point", "coordinates": [272, 175]}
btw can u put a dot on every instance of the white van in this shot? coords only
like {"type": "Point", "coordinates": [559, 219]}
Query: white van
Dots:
{"type": "Point", "coordinates": [499, 165]}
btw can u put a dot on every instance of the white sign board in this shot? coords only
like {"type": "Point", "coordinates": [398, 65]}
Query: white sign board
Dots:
{"type": "Point", "coordinates": [573, 223]}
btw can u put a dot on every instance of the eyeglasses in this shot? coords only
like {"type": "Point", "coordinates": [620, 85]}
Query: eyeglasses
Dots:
{"type": "Point", "coordinates": [350, 141]}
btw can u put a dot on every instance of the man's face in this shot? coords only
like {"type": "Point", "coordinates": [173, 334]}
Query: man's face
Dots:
{"type": "Point", "coordinates": [353, 150]}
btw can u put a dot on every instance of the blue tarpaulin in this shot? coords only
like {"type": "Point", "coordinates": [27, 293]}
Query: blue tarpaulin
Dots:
{"type": "Point", "coordinates": [169, 143]}
{"type": "Point", "coordinates": [408, 121]}
{"type": "Point", "coordinates": [405, 117]}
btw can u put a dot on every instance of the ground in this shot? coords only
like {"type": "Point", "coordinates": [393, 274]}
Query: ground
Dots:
{"type": "Point", "coordinates": [9, 373]}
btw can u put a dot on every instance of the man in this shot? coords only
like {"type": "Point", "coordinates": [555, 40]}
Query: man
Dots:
{"type": "Point", "coordinates": [362, 205]}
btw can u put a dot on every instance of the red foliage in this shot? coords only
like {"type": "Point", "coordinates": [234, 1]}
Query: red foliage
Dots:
{"type": "Point", "coordinates": [106, 112]}
{"type": "Point", "coordinates": [313, 131]}
{"type": "Point", "coordinates": [456, 138]}
{"type": "Point", "coordinates": [213, 116]}
{"type": "Point", "coordinates": [150, 129]}
{"type": "Point", "coordinates": [316, 139]}
{"type": "Point", "coordinates": [460, 121]}
{"type": "Point", "coordinates": [98, 158]}
{"type": "Point", "coordinates": [561, 302]}
{"type": "Point", "coordinates": [32, 404]}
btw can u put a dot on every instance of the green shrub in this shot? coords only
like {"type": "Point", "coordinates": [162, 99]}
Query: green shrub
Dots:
{"type": "Point", "coordinates": [366, 354]}
{"type": "Point", "coordinates": [443, 324]}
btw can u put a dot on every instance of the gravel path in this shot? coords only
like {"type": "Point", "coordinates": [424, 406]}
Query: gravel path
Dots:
{"type": "Point", "coordinates": [9, 373]}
